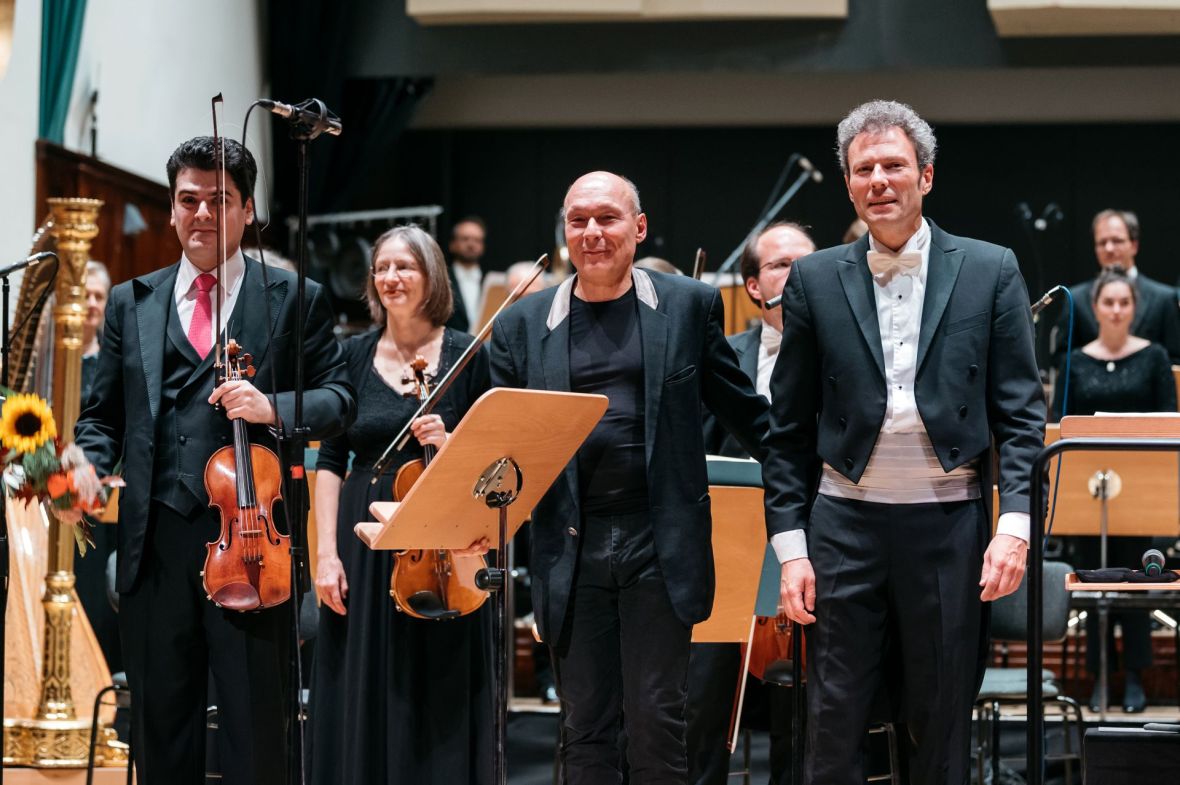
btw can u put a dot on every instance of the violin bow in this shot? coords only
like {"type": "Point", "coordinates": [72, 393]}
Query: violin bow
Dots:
{"type": "Point", "coordinates": [222, 241]}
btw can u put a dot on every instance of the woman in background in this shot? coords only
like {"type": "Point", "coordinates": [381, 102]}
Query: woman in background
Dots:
{"type": "Point", "coordinates": [1117, 372]}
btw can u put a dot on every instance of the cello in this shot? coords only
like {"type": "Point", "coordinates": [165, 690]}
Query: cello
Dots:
{"type": "Point", "coordinates": [431, 583]}
{"type": "Point", "coordinates": [248, 566]}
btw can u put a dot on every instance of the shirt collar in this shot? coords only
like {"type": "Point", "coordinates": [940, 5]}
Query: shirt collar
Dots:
{"type": "Point", "coordinates": [645, 290]}
{"type": "Point", "coordinates": [235, 267]}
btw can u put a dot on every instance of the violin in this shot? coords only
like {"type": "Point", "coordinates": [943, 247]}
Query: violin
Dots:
{"type": "Point", "coordinates": [248, 566]}
{"type": "Point", "coordinates": [431, 583]}
{"type": "Point", "coordinates": [766, 657]}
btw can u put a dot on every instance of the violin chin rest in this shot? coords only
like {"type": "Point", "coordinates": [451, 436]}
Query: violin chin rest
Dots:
{"type": "Point", "coordinates": [237, 597]}
{"type": "Point", "coordinates": [779, 673]}
{"type": "Point", "coordinates": [429, 605]}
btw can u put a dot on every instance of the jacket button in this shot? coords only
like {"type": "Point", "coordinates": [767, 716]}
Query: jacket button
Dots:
{"type": "Point", "coordinates": [183, 440]}
{"type": "Point", "coordinates": [954, 453]}
{"type": "Point", "coordinates": [832, 380]}
{"type": "Point", "coordinates": [849, 463]}
{"type": "Point", "coordinates": [972, 370]}
{"type": "Point", "coordinates": [963, 411]}
{"type": "Point", "coordinates": [571, 531]}
{"type": "Point", "coordinates": [843, 422]}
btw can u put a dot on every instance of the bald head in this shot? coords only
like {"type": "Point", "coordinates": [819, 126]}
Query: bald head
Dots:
{"type": "Point", "coordinates": [606, 180]}
{"type": "Point", "coordinates": [603, 226]}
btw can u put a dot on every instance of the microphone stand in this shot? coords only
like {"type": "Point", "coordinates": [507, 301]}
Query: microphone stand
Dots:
{"type": "Point", "coordinates": [296, 442]}
{"type": "Point", "coordinates": [766, 218]}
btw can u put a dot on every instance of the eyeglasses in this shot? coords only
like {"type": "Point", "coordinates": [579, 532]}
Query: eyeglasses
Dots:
{"type": "Point", "coordinates": [400, 270]}
{"type": "Point", "coordinates": [780, 266]}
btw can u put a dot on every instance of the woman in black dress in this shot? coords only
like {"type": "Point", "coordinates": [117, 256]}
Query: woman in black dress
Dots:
{"type": "Point", "coordinates": [1117, 372]}
{"type": "Point", "coordinates": [395, 699]}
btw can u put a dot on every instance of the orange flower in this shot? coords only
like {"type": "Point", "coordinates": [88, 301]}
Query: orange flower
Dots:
{"type": "Point", "coordinates": [58, 485]}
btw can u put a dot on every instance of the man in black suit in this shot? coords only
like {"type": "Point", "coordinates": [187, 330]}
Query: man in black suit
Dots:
{"type": "Point", "coordinates": [467, 246]}
{"type": "Point", "coordinates": [1157, 317]}
{"type": "Point", "coordinates": [905, 356]}
{"type": "Point", "coordinates": [714, 668]}
{"type": "Point", "coordinates": [621, 552]}
{"type": "Point", "coordinates": [151, 407]}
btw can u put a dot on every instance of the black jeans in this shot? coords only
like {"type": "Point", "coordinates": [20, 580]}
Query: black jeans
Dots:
{"type": "Point", "coordinates": [625, 657]}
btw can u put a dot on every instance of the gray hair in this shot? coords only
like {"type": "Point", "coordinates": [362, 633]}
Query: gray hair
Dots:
{"type": "Point", "coordinates": [97, 268]}
{"type": "Point", "coordinates": [439, 303]}
{"type": "Point", "coordinates": [880, 115]}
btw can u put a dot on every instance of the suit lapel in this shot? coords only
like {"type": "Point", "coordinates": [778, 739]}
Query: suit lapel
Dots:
{"type": "Point", "coordinates": [555, 367]}
{"type": "Point", "coordinates": [942, 272]}
{"type": "Point", "coordinates": [858, 288]}
{"type": "Point", "coordinates": [653, 334]}
{"type": "Point", "coordinates": [256, 312]}
{"type": "Point", "coordinates": [153, 299]}
{"type": "Point", "coordinates": [747, 352]}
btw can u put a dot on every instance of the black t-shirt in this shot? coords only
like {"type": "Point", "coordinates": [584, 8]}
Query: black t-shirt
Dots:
{"type": "Point", "coordinates": [606, 357]}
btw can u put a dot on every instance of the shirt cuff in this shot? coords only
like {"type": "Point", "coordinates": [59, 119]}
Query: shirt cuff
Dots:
{"type": "Point", "coordinates": [1014, 523]}
{"type": "Point", "coordinates": [791, 545]}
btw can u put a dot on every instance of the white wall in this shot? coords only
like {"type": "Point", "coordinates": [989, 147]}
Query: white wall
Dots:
{"type": "Point", "coordinates": [18, 133]}
{"type": "Point", "coordinates": [155, 66]}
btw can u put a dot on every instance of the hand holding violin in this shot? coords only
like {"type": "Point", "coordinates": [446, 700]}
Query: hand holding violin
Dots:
{"type": "Point", "coordinates": [241, 399]}
{"type": "Point", "coordinates": [430, 430]}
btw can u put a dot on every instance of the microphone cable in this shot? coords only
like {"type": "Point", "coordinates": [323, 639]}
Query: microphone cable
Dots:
{"type": "Point", "coordinates": [1064, 409]}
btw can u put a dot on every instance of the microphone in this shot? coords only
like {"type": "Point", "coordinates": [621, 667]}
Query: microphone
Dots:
{"type": "Point", "coordinates": [774, 302]}
{"type": "Point", "coordinates": [1040, 305]}
{"type": "Point", "coordinates": [816, 175]}
{"type": "Point", "coordinates": [28, 261]}
{"type": "Point", "coordinates": [1052, 212]}
{"type": "Point", "coordinates": [1153, 562]}
{"type": "Point", "coordinates": [312, 113]}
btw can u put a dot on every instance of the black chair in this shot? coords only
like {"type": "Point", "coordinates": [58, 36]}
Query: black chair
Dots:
{"type": "Point", "coordinates": [1004, 686]}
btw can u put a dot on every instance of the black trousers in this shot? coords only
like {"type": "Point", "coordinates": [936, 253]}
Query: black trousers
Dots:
{"type": "Point", "coordinates": [174, 639]}
{"type": "Point", "coordinates": [625, 657]}
{"type": "Point", "coordinates": [906, 574]}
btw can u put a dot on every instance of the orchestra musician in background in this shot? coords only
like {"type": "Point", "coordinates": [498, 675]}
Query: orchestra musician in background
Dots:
{"type": "Point", "coordinates": [903, 356]}
{"type": "Point", "coordinates": [1117, 372]}
{"type": "Point", "coordinates": [714, 668]}
{"type": "Point", "coordinates": [152, 407]}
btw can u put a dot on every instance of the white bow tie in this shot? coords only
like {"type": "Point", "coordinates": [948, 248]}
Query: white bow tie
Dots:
{"type": "Point", "coordinates": [886, 265]}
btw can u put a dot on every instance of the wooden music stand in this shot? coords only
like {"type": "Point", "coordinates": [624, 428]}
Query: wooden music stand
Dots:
{"type": "Point", "coordinates": [508, 449]}
{"type": "Point", "coordinates": [1130, 493]}
{"type": "Point", "coordinates": [739, 543]}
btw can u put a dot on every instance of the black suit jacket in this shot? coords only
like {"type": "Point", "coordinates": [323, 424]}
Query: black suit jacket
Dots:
{"type": "Point", "coordinates": [458, 320]}
{"type": "Point", "coordinates": [719, 441]}
{"type": "Point", "coordinates": [120, 418]}
{"type": "Point", "coordinates": [686, 361]}
{"type": "Point", "coordinates": [1157, 317]}
{"type": "Point", "coordinates": [977, 378]}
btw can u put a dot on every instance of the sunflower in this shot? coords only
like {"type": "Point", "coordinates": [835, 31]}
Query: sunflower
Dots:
{"type": "Point", "coordinates": [26, 423]}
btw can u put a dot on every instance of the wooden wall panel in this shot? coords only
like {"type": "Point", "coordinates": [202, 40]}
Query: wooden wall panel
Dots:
{"type": "Point", "coordinates": [62, 172]}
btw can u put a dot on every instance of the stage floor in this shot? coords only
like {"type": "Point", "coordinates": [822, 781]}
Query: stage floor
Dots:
{"type": "Point", "coordinates": [111, 775]}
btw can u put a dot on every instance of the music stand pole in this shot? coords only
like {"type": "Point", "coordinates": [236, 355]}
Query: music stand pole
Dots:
{"type": "Point", "coordinates": [495, 580]}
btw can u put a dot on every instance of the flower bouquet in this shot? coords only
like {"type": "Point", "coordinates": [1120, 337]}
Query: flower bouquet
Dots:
{"type": "Point", "coordinates": [37, 466]}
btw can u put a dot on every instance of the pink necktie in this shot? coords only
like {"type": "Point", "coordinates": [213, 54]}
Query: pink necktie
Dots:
{"type": "Point", "coordinates": [199, 333]}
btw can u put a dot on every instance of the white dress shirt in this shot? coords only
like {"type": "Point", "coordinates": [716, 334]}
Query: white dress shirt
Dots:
{"type": "Point", "coordinates": [470, 280]}
{"type": "Point", "coordinates": [899, 318]}
{"type": "Point", "coordinates": [772, 339]}
{"type": "Point", "coordinates": [185, 291]}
